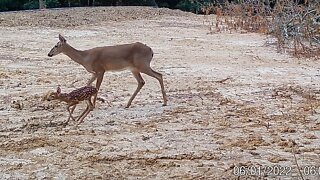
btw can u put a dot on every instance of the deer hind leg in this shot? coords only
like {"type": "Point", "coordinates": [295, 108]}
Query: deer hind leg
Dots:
{"type": "Point", "coordinates": [86, 112]}
{"type": "Point", "coordinates": [141, 82]}
{"type": "Point", "coordinates": [158, 76]}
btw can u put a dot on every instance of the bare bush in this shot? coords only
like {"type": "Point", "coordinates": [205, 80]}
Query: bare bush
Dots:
{"type": "Point", "coordinates": [296, 26]}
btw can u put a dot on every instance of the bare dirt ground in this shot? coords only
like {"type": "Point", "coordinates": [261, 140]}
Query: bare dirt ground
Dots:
{"type": "Point", "coordinates": [233, 101]}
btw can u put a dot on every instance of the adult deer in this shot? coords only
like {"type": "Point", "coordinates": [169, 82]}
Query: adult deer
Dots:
{"type": "Point", "coordinates": [136, 57]}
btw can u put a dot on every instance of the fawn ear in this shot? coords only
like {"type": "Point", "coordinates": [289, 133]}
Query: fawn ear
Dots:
{"type": "Point", "coordinates": [58, 90]}
{"type": "Point", "coordinates": [62, 39]}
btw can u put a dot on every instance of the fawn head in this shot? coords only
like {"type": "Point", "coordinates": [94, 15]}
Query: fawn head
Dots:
{"type": "Point", "coordinates": [57, 49]}
{"type": "Point", "coordinates": [53, 95]}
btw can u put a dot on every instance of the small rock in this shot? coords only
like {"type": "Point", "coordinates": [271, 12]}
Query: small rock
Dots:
{"type": "Point", "coordinates": [145, 138]}
{"type": "Point", "coordinates": [87, 148]}
{"type": "Point", "coordinates": [17, 105]}
{"type": "Point", "coordinates": [310, 136]}
{"type": "Point", "coordinates": [39, 152]}
{"type": "Point", "coordinates": [18, 85]}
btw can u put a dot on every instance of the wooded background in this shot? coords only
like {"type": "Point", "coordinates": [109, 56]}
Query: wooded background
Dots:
{"type": "Point", "coordinates": [185, 5]}
{"type": "Point", "coordinates": [294, 23]}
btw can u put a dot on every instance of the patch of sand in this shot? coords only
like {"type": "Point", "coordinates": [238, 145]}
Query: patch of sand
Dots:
{"type": "Point", "coordinates": [265, 110]}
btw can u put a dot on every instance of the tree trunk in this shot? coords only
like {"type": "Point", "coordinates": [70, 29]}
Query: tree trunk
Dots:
{"type": "Point", "coordinates": [42, 4]}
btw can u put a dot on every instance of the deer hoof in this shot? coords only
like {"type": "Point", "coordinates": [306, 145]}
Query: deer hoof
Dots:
{"type": "Point", "coordinates": [128, 105]}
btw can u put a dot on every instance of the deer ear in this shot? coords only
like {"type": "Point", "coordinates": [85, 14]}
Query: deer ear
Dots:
{"type": "Point", "coordinates": [62, 39]}
{"type": "Point", "coordinates": [58, 90]}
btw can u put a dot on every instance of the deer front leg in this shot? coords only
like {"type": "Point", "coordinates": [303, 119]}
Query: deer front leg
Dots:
{"type": "Point", "coordinates": [93, 78]}
{"type": "Point", "coordinates": [98, 84]}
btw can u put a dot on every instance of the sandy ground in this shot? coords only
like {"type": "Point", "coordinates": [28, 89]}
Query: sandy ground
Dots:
{"type": "Point", "coordinates": [233, 101]}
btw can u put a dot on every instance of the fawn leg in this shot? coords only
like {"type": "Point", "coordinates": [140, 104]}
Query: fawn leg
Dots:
{"type": "Point", "coordinates": [72, 106]}
{"type": "Point", "coordinates": [82, 114]}
{"type": "Point", "coordinates": [86, 112]}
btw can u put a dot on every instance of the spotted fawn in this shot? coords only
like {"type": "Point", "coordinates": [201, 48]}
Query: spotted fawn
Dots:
{"type": "Point", "coordinates": [74, 98]}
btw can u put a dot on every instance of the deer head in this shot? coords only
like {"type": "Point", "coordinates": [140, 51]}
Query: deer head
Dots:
{"type": "Point", "coordinates": [57, 49]}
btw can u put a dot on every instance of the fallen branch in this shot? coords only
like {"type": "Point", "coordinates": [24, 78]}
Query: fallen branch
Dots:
{"type": "Point", "coordinates": [223, 80]}
{"type": "Point", "coordinates": [296, 161]}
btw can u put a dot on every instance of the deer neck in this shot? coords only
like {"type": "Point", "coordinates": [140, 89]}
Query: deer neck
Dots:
{"type": "Point", "coordinates": [74, 54]}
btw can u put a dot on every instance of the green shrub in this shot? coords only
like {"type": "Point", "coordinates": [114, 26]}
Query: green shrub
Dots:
{"type": "Point", "coordinates": [3, 5]}
{"type": "Point", "coordinates": [11, 5]}
{"type": "Point", "coordinates": [52, 3]}
{"type": "Point", "coordinates": [188, 5]}
{"type": "Point", "coordinates": [31, 5]}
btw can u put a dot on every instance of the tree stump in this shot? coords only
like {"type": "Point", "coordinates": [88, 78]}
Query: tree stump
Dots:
{"type": "Point", "coordinates": [42, 4]}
